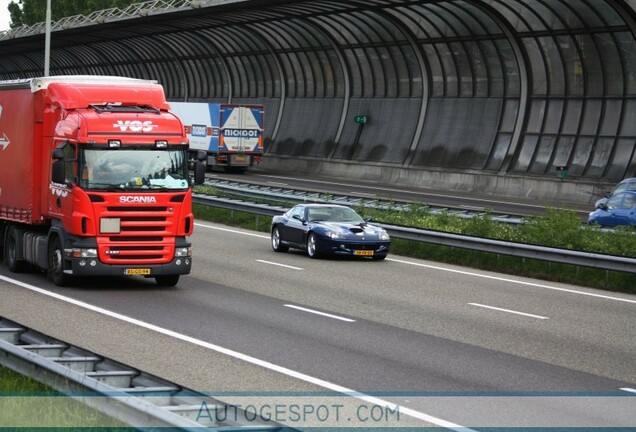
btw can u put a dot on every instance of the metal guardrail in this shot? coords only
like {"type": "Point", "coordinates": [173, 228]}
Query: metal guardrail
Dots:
{"type": "Point", "coordinates": [251, 190]}
{"type": "Point", "coordinates": [522, 250]}
{"type": "Point", "coordinates": [132, 396]}
{"type": "Point", "coordinates": [151, 7]}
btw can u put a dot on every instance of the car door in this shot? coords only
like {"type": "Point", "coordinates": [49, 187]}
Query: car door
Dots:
{"type": "Point", "coordinates": [292, 231]}
{"type": "Point", "coordinates": [619, 211]}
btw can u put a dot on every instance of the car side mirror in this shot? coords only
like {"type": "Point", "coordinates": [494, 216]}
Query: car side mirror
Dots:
{"type": "Point", "coordinates": [298, 218]}
{"type": "Point", "coordinates": [602, 206]}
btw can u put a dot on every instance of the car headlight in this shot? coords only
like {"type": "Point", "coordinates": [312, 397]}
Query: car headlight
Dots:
{"type": "Point", "coordinates": [334, 234]}
{"type": "Point", "coordinates": [384, 236]}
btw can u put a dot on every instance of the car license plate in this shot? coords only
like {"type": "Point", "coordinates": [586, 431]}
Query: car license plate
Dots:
{"type": "Point", "coordinates": [363, 252]}
{"type": "Point", "coordinates": [137, 271]}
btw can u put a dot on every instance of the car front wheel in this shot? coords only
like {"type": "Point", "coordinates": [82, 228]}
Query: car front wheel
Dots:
{"type": "Point", "coordinates": [276, 243]}
{"type": "Point", "coordinates": [312, 250]}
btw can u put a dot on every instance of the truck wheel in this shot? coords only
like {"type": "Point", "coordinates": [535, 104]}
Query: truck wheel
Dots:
{"type": "Point", "coordinates": [56, 263]}
{"type": "Point", "coordinates": [11, 251]}
{"type": "Point", "coordinates": [167, 280]}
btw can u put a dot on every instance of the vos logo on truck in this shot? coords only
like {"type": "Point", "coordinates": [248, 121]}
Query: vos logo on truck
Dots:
{"type": "Point", "coordinates": [135, 125]}
{"type": "Point", "coordinates": [136, 199]}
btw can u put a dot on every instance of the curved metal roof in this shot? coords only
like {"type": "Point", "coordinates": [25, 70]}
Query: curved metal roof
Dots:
{"type": "Point", "coordinates": [518, 86]}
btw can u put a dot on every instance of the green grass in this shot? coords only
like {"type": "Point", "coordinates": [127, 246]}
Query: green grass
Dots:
{"type": "Point", "coordinates": [558, 228]}
{"type": "Point", "coordinates": [26, 404]}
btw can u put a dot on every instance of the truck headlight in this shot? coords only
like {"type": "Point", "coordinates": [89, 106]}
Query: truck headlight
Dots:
{"type": "Point", "coordinates": [183, 252]}
{"type": "Point", "coordinates": [84, 253]}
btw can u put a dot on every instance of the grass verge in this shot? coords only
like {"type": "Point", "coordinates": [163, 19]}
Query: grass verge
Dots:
{"type": "Point", "coordinates": [26, 405]}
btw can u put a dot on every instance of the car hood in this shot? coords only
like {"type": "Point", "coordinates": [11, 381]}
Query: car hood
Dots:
{"type": "Point", "coordinates": [351, 229]}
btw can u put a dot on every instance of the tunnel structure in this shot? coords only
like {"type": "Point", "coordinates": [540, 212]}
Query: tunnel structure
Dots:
{"type": "Point", "coordinates": [512, 97]}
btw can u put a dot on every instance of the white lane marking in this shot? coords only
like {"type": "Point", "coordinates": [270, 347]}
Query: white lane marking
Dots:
{"type": "Point", "coordinates": [508, 310]}
{"type": "Point", "coordinates": [467, 273]}
{"type": "Point", "coordinates": [406, 191]}
{"type": "Point", "coordinates": [249, 359]}
{"type": "Point", "coordinates": [231, 231]}
{"type": "Point", "coordinates": [501, 279]}
{"type": "Point", "coordinates": [320, 313]}
{"type": "Point", "coordinates": [280, 265]}
{"type": "Point", "coordinates": [630, 390]}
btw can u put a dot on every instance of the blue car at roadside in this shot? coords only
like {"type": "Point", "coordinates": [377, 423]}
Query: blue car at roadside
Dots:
{"type": "Point", "coordinates": [629, 184]}
{"type": "Point", "coordinates": [619, 209]}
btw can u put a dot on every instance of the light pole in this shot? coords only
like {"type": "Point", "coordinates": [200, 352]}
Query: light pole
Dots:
{"type": "Point", "coordinates": [47, 39]}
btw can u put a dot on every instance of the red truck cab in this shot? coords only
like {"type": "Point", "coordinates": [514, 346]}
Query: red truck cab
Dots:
{"type": "Point", "coordinates": [108, 191]}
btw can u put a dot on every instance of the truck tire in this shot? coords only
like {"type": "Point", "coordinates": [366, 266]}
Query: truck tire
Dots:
{"type": "Point", "coordinates": [55, 264]}
{"type": "Point", "coordinates": [167, 280]}
{"type": "Point", "coordinates": [11, 251]}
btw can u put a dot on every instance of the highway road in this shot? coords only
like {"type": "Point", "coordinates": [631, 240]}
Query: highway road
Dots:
{"type": "Point", "coordinates": [449, 345]}
{"type": "Point", "coordinates": [519, 206]}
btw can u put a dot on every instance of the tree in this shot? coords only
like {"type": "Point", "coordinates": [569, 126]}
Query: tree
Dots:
{"type": "Point", "coordinates": [29, 12]}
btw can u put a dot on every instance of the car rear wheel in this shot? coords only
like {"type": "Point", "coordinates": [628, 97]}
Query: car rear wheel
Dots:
{"type": "Point", "coordinates": [276, 243]}
{"type": "Point", "coordinates": [312, 250]}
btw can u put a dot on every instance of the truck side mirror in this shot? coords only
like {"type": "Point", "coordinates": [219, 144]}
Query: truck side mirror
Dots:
{"type": "Point", "coordinates": [199, 172]}
{"type": "Point", "coordinates": [57, 172]}
{"type": "Point", "coordinates": [58, 154]}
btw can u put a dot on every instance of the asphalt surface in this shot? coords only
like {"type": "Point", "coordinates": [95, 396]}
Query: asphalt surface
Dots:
{"type": "Point", "coordinates": [411, 331]}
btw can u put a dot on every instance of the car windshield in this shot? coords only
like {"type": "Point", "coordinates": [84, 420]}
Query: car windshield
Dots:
{"type": "Point", "coordinates": [333, 214]}
{"type": "Point", "coordinates": [108, 169]}
{"type": "Point", "coordinates": [625, 200]}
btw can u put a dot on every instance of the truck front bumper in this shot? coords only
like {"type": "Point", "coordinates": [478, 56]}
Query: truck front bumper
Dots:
{"type": "Point", "coordinates": [93, 267]}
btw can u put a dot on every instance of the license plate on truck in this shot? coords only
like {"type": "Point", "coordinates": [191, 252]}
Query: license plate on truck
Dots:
{"type": "Point", "coordinates": [239, 160]}
{"type": "Point", "coordinates": [137, 271]}
{"type": "Point", "coordinates": [363, 252]}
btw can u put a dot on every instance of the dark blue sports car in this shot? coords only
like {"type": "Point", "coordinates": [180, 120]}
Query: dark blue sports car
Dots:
{"type": "Point", "coordinates": [328, 229]}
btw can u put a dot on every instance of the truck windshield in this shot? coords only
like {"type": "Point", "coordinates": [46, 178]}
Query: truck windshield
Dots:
{"type": "Point", "coordinates": [109, 169]}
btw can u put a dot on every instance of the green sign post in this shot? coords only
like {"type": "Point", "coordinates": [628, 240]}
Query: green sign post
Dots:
{"type": "Point", "coordinates": [361, 119]}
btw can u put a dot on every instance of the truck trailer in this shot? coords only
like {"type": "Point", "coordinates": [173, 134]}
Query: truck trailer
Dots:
{"type": "Point", "coordinates": [231, 135]}
{"type": "Point", "coordinates": [94, 179]}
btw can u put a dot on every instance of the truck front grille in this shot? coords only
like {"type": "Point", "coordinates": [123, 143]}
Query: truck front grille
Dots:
{"type": "Point", "coordinates": [146, 235]}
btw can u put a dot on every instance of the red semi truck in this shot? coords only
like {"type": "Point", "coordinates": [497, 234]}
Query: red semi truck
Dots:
{"type": "Point", "coordinates": [94, 179]}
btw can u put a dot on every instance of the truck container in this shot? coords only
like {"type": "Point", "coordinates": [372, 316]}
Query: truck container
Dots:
{"type": "Point", "coordinates": [94, 179]}
{"type": "Point", "coordinates": [231, 135]}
